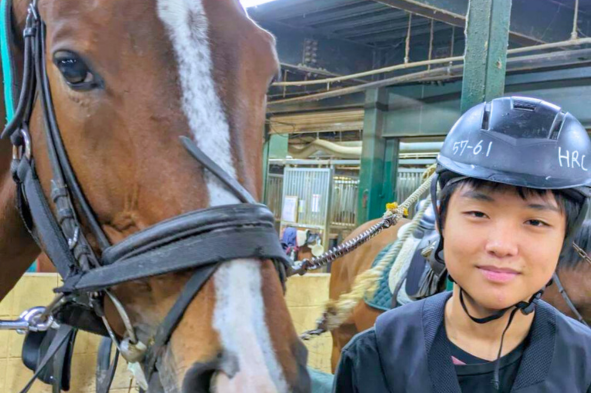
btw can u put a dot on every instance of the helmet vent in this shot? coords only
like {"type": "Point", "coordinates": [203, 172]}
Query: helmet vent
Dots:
{"type": "Point", "coordinates": [486, 117]}
{"type": "Point", "coordinates": [524, 106]}
{"type": "Point", "coordinates": [555, 132]}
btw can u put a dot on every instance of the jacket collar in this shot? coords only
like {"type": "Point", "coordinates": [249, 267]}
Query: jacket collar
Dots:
{"type": "Point", "coordinates": [535, 363]}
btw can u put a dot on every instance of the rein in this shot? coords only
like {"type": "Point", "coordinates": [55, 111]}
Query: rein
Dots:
{"type": "Point", "coordinates": [199, 240]}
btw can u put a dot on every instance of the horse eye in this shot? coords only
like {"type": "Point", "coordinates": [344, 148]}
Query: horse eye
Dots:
{"type": "Point", "coordinates": [75, 71]}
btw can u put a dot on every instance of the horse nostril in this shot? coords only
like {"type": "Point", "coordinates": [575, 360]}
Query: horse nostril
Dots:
{"type": "Point", "coordinates": [198, 378]}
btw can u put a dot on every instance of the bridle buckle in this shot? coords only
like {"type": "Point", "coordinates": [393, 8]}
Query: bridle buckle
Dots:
{"type": "Point", "coordinates": [33, 11]}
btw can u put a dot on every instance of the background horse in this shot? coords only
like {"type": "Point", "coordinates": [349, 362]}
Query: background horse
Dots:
{"type": "Point", "coordinates": [127, 79]}
{"type": "Point", "coordinates": [573, 271]}
{"type": "Point", "coordinates": [300, 244]}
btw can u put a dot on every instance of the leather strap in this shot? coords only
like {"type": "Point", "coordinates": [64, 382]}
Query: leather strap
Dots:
{"type": "Point", "coordinates": [214, 168]}
{"type": "Point", "coordinates": [62, 172]}
{"type": "Point", "coordinates": [569, 303]}
{"type": "Point", "coordinates": [47, 229]}
{"type": "Point", "coordinates": [219, 218]}
{"type": "Point", "coordinates": [105, 368]}
{"type": "Point", "coordinates": [175, 315]}
{"type": "Point", "coordinates": [63, 335]}
{"type": "Point", "coordinates": [193, 252]}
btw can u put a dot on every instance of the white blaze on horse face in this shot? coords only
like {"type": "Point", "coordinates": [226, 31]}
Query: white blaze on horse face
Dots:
{"type": "Point", "coordinates": [240, 319]}
{"type": "Point", "coordinates": [187, 26]}
{"type": "Point", "coordinates": [239, 315]}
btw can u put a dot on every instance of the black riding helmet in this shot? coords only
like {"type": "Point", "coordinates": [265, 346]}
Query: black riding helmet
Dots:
{"type": "Point", "coordinates": [523, 142]}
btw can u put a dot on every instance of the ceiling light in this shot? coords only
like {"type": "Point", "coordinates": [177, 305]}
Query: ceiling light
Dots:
{"type": "Point", "coordinates": [254, 3]}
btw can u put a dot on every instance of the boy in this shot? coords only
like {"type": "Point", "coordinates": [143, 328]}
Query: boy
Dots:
{"type": "Point", "coordinates": [514, 185]}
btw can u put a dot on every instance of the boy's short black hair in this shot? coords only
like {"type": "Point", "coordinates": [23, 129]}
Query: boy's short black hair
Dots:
{"type": "Point", "coordinates": [567, 205]}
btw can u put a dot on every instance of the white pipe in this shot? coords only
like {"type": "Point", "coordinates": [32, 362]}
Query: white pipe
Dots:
{"type": "Point", "coordinates": [420, 147]}
{"type": "Point", "coordinates": [339, 150]}
{"type": "Point", "coordinates": [291, 161]}
{"type": "Point", "coordinates": [329, 147]}
{"type": "Point", "coordinates": [397, 67]}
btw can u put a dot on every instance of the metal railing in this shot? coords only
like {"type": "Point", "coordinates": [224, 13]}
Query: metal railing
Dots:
{"type": "Point", "coordinates": [344, 202]}
{"type": "Point", "coordinates": [274, 194]}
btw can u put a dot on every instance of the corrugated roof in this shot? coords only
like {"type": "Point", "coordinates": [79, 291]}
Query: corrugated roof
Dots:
{"type": "Point", "coordinates": [361, 21]}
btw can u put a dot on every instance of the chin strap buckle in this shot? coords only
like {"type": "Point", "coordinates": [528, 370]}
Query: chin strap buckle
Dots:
{"type": "Point", "coordinates": [529, 307]}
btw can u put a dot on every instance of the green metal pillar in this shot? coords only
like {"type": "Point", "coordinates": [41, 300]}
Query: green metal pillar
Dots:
{"type": "Point", "coordinates": [487, 37]}
{"type": "Point", "coordinates": [390, 172]}
{"type": "Point", "coordinates": [275, 147]}
{"type": "Point", "coordinates": [373, 157]}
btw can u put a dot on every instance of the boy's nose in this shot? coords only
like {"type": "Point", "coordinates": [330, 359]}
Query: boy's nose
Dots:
{"type": "Point", "coordinates": [502, 241]}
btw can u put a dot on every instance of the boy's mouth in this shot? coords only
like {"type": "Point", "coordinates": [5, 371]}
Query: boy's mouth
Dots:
{"type": "Point", "coordinates": [498, 274]}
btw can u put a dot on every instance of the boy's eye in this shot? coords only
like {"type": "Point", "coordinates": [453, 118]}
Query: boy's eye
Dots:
{"type": "Point", "coordinates": [537, 223]}
{"type": "Point", "coordinates": [476, 214]}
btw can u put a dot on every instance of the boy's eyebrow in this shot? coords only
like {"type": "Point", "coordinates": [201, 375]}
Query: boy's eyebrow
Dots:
{"type": "Point", "coordinates": [479, 196]}
{"type": "Point", "coordinates": [543, 206]}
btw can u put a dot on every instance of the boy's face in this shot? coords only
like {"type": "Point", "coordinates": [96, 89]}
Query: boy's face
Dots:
{"type": "Point", "coordinates": [500, 248]}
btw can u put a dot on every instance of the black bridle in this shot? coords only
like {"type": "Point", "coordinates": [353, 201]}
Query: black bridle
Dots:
{"type": "Point", "coordinates": [569, 303]}
{"type": "Point", "coordinates": [198, 241]}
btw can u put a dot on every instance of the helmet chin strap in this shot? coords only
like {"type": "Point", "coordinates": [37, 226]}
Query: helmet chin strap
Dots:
{"type": "Point", "coordinates": [525, 307]}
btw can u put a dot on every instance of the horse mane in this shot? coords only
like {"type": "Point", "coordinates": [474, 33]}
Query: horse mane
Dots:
{"type": "Point", "coordinates": [570, 258]}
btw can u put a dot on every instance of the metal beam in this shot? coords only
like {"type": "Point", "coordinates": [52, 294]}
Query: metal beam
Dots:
{"type": "Point", "coordinates": [332, 55]}
{"type": "Point", "coordinates": [385, 15]}
{"type": "Point", "coordinates": [332, 16]}
{"type": "Point", "coordinates": [431, 110]}
{"type": "Point", "coordinates": [409, 96]}
{"type": "Point", "coordinates": [421, 30]}
{"type": "Point", "coordinates": [520, 63]}
{"type": "Point", "coordinates": [383, 27]}
{"type": "Point", "coordinates": [345, 102]}
{"type": "Point", "coordinates": [485, 59]}
{"type": "Point", "coordinates": [532, 22]}
{"type": "Point", "coordinates": [285, 9]}
{"type": "Point", "coordinates": [317, 71]}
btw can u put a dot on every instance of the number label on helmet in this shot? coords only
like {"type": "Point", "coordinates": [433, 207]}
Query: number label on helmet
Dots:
{"type": "Point", "coordinates": [461, 146]}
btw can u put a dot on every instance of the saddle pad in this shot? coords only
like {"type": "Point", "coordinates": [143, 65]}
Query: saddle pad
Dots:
{"type": "Point", "coordinates": [382, 299]}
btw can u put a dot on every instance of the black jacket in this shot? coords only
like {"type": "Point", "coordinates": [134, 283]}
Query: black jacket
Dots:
{"type": "Point", "coordinates": [407, 351]}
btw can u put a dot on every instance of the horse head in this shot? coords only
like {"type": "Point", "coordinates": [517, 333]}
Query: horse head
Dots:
{"type": "Point", "coordinates": [127, 79]}
{"type": "Point", "coordinates": [569, 291]}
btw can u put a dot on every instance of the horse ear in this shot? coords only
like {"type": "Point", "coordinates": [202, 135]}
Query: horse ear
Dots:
{"type": "Point", "coordinates": [317, 249]}
{"type": "Point", "coordinates": [302, 237]}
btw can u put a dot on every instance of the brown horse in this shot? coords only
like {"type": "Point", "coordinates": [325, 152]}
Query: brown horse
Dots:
{"type": "Point", "coordinates": [164, 69]}
{"type": "Point", "coordinates": [574, 274]}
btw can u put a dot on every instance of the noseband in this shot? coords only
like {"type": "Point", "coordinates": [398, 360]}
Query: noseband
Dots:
{"type": "Point", "coordinates": [197, 241]}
